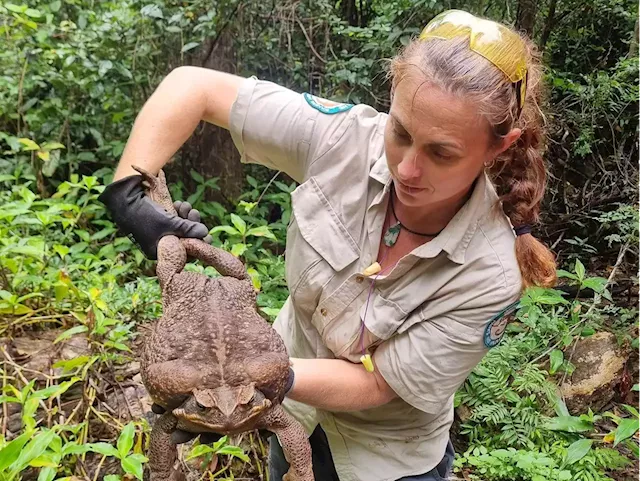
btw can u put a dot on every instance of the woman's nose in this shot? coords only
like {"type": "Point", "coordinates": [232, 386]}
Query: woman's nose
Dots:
{"type": "Point", "coordinates": [409, 169]}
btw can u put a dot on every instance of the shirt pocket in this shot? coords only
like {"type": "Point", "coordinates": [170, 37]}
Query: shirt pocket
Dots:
{"type": "Point", "coordinates": [365, 329]}
{"type": "Point", "coordinates": [319, 245]}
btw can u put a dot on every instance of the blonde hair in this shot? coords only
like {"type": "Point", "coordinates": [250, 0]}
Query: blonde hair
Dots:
{"type": "Point", "coordinates": [519, 173]}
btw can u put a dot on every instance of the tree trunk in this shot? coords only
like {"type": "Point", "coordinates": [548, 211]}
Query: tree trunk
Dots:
{"type": "Point", "coordinates": [633, 46]}
{"type": "Point", "coordinates": [526, 16]}
{"type": "Point", "coordinates": [210, 150]}
{"type": "Point", "coordinates": [548, 25]}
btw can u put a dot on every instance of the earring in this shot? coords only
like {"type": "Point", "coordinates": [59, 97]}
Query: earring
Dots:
{"type": "Point", "coordinates": [490, 166]}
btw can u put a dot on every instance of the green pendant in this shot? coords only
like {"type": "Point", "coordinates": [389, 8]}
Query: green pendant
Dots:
{"type": "Point", "coordinates": [391, 236]}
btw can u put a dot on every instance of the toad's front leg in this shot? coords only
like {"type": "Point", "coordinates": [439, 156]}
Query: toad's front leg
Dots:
{"type": "Point", "coordinates": [162, 452]}
{"type": "Point", "coordinates": [294, 441]}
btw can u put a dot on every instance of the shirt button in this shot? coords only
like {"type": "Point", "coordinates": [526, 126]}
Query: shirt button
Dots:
{"type": "Point", "coordinates": [323, 311]}
{"type": "Point", "coordinates": [359, 279]}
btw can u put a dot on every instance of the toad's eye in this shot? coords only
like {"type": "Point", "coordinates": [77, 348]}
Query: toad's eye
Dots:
{"type": "Point", "coordinates": [200, 406]}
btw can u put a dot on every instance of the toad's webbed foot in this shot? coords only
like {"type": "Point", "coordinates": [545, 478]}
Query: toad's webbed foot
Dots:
{"type": "Point", "coordinates": [294, 441]}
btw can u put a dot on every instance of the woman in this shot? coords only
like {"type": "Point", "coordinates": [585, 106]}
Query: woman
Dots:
{"type": "Point", "coordinates": [403, 260]}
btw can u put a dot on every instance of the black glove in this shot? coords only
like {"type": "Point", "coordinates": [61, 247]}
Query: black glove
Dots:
{"type": "Point", "coordinates": [179, 436]}
{"type": "Point", "coordinates": [144, 221]}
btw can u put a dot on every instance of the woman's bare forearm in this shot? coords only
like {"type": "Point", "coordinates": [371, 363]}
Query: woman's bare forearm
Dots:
{"type": "Point", "coordinates": [169, 117]}
{"type": "Point", "coordinates": [338, 385]}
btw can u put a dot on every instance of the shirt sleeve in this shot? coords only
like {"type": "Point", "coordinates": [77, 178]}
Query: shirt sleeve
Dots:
{"type": "Point", "coordinates": [426, 364]}
{"type": "Point", "coordinates": [282, 129]}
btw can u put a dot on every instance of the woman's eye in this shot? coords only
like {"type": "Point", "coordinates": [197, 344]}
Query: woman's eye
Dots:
{"type": "Point", "coordinates": [405, 137]}
{"type": "Point", "coordinates": [443, 155]}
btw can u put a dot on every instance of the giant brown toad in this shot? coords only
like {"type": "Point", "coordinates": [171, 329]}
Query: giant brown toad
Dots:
{"type": "Point", "coordinates": [211, 361]}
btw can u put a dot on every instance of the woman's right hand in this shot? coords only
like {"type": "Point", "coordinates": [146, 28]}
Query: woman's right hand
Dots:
{"type": "Point", "coordinates": [146, 222]}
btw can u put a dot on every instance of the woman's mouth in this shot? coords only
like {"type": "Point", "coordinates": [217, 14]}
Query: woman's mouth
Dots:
{"type": "Point", "coordinates": [408, 189]}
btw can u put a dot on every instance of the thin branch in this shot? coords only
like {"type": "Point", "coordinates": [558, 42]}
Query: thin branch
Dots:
{"type": "Point", "coordinates": [306, 35]}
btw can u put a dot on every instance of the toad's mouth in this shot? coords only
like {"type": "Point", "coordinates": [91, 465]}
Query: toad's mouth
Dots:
{"type": "Point", "coordinates": [222, 424]}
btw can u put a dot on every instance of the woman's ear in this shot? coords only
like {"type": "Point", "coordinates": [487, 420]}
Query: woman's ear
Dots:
{"type": "Point", "coordinates": [507, 141]}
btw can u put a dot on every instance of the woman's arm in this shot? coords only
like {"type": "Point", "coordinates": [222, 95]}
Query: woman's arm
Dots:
{"type": "Point", "coordinates": [185, 97]}
{"type": "Point", "coordinates": [338, 385]}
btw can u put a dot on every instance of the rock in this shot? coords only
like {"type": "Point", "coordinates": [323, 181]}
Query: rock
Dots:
{"type": "Point", "coordinates": [37, 351]}
{"type": "Point", "coordinates": [599, 363]}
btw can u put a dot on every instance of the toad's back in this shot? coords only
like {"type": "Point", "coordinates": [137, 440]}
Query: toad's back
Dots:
{"type": "Point", "coordinates": [212, 321]}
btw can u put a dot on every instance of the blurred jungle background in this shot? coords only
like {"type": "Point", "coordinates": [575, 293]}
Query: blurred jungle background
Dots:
{"type": "Point", "coordinates": [556, 400]}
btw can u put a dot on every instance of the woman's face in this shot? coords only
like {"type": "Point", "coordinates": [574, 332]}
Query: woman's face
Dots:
{"type": "Point", "coordinates": [436, 144]}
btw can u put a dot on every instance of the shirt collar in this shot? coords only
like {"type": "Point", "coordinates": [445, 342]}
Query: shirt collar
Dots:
{"type": "Point", "coordinates": [455, 237]}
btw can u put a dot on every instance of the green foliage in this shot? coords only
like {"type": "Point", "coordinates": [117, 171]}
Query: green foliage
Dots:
{"type": "Point", "coordinates": [75, 74]}
{"type": "Point", "coordinates": [518, 426]}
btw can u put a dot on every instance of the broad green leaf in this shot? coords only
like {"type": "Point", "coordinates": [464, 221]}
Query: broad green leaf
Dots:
{"type": "Point", "coordinates": [55, 390]}
{"type": "Point", "coordinates": [631, 410]}
{"type": "Point", "coordinates": [104, 448]}
{"type": "Point", "coordinates": [556, 358]}
{"type": "Point", "coordinates": [29, 409]}
{"type": "Point", "coordinates": [52, 146]}
{"type": "Point", "coordinates": [255, 278]}
{"type": "Point", "coordinates": [70, 332]}
{"type": "Point", "coordinates": [152, 10]}
{"type": "Point", "coordinates": [32, 450]}
{"type": "Point", "coordinates": [43, 155]}
{"type": "Point", "coordinates": [73, 448]}
{"type": "Point", "coordinates": [112, 477]}
{"type": "Point", "coordinates": [133, 466]}
{"type": "Point", "coordinates": [580, 270]}
{"type": "Point", "coordinates": [28, 144]}
{"type": "Point", "coordinates": [125, 440]}
{"type": "Point", "coordinates": [224, 228]}
{"type": "Point", "coordinates": [587, 331]}
{"type": "Point", "coordinates": [234, 451]}
{"type": "Point", "coordinates": [596, 283]}
{"type": "Point", "coordinates": [33, 13]}
{"type": "Point", "coordinates": [578, 450]}
{"type": "Point", "coordinates": [47, 474]}
{"type": "Point", "coordinates": [46, 459]}
{"type": "Point", "coordinates": [563, 273]}
{"type": "Point", "coordinates": [238, 249]}
{"type": "Point", "coordinates": [261, 231]}
{"type": "Point", "coordinates": [10, 452]}
{"type": "Point", "coordinates": [239, 223]}
{"type": "Point", "coordinates": [190, 46]}
{"type": "Point", "coordinates": [55, 6]}
{"type": "Point", "coordinates": [632, 445]}
{"type": "Point", "coordinates": [16, 8]}
{"type": "Point", "coordinates": [104, 66]}
{"type": "Point", "coordinates": [570, 424]}
{"type": "Point", "coordinates": [32, 251]}
{"type": "Point", "coordinates": [625, 430]}
{"type": "Point", "coordinates": [200, 450]}
{"type": "Point", "coordinates": [197, 176]}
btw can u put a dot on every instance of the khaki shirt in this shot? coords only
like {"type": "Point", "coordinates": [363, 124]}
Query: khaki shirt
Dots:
{"type": "Point", "coordinates": [427, 318]}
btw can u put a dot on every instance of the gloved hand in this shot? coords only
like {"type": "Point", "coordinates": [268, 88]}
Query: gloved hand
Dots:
{"type": "Point", "coordinates": [145, 221]}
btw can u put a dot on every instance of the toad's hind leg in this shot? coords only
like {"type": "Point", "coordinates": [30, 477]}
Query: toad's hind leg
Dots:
{"type": "Point", "coordinates": [172, 257]}
{"type": "Point", "coordinates": [294, 441]}
{"type": "Point", "coordinates": [158, 190]}
{"type": "Point", "coordinates": [225, 263]}
{"type": "Point", "coordinates": [162, 452]}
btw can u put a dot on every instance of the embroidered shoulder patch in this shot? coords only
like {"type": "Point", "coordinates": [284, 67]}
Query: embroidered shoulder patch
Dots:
{"type": "Point", "coordinates": [497, 324]}
{"type": "Point", "coordinates": [326, 106]}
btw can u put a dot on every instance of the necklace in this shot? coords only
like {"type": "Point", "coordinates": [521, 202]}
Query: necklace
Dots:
{"type": "Point", "coordinates": [393, 232]}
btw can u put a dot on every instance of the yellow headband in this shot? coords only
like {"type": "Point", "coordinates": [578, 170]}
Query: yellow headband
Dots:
{"type": "Point", "coordinates": [495, 42]}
